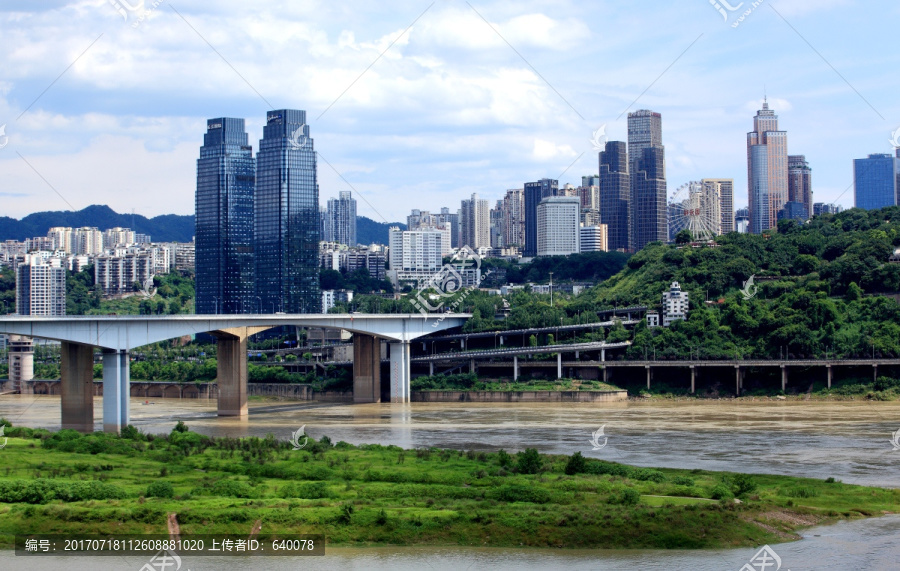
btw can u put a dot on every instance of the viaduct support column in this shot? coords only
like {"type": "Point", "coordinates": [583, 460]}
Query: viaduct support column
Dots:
{"type": "Point", "coordinates": [559, 365]}
{"type": "Point", "coordinates": [515, 367]}
{"type": "Point", "coordinates": [231, 352]}
{"type": "Point", "coordinates": [116, 390]}
{"type": "Point", "coordinates": [737, 380]}
{"type": "Point", "coordinates": [830, 374]}
{"type": "Point", "coordinates": [648, 376]}
{"type": "Point", "coordinates": [693, 380]}
{"type": "Point", "coordinates": [431, 368]}
{"type": "Point", "coordinates": [400, 372]}
{"type": "Point", "coordinates": [783, 378]}
{"type": "Point", "coordinates": [77, 380]}
{"type": "Point", "coordinates": [367, 368]}
{"type": "Point", "coordinates": [605, 375]}
{"type": "Point", "coordinates": [472, 365]}
{"type": "Point", "coordinates": [874, 373]}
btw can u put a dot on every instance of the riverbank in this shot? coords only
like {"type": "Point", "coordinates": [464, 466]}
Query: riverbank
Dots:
{"type": "Point", "coordinates": [383, 495]}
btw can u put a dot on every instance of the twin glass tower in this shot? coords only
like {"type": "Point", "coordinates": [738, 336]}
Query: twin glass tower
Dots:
{"type": "Point", "coordinates": [257, 220]}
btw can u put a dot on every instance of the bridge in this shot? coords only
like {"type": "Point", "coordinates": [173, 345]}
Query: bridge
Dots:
{"type": "Point", "coordinates": [117, 335]}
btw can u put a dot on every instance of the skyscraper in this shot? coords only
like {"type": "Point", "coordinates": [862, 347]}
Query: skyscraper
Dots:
{"type": "Point", "coordinates": [534, 193]}
{"type": "Point", "coordinates": [340, 219]}
{"type": "Point", "coordinates": [475, 223]}
{"type": "Point", "coordinates": [513, 222]}
{"type": "Point", "coordinates": [648, 179]}
{"type": "Point", "coordinates": [767, 170]}
{"type": "Point", "coordinates": [287, 216]}
{"type": "Point", "coordinates": [615, 194]}
{"type": "Point", "coordinates": [224, 262]}
{"type": "Point", "coordinates": [724, 187]}
{"type": "Point", "coordinates": [800, 182]}
{"type": "Point", "coordinates": [875, 181]}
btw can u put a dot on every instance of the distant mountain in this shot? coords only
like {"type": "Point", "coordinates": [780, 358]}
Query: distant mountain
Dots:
{"type": "Point", "coordinates": [165, 228]}
{"type": "Point", "coordinates": [370, 232]}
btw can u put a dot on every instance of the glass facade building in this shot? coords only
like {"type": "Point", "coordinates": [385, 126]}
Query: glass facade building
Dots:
{"type": "Point", "coordinates": [615, 194]}
{"type": "Point", "coordinates": [875, 181]}
{"type": "Point", "coordinates": [287, 223]}
{"type": "Point", "coordinates": [224, 220]}
{"type": "Point", "coordinates": [534, 193]}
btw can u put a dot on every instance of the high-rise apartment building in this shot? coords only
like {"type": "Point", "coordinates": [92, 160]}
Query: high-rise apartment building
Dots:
{"type": "Point", "coordinates": [513, 218]}
{"type": "Point", "coordinates": [615, 193]}
{"type": "Point", "coordinates": [876, 181]}
{"type": "Point", "coordinates": [423, 219]}
{"type": "Point", "coordinates": [340, 219]}
{"type": "Point", "coordinates": [534, 193]}
{"type": "Point", "coordinates": [287, 216]}
{"type": "Point", "coordinates": [648, 179]}
{"type": "Point", "coordinates": [822, 208]}
{"type": "Point", "coordinates": [558, 222]}
{"type": "Point", "coordinates": [594, 238]}
{"type": "Point", "coordinates": [224, 258]}
{"type": "Point", "coordinates": [723, 188]}
{"type": "Point", "coordinates": [742, 220]}
{"type": "Point", "coordinates": [40, 287]}
{"type": "Point", "coordinates": [416, 250]}
{"type": "Point", "coordinates": [475, 223]}
{"type": "Point", "coordinates": [800, 182]}
{"type": "Point", "coordinates": [767, 170]}
{"type": "Point", "coordinates": [497, 225]}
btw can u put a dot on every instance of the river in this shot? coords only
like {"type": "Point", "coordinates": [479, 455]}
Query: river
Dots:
{"type": "Point", "coordinates": [849, 440]}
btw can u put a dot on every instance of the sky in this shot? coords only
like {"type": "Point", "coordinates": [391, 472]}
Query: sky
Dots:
{"type": "Point", "coordinates": [419, 104]}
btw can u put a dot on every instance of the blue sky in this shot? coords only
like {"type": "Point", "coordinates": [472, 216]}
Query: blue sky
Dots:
{"type": "Point", "coordinates": [475, 96]}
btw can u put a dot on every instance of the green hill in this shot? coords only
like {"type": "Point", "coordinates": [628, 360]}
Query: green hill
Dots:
{"type": "Point", "coordinates": [820, 289]}
{"type": "Point", "coordinates": [164, 228]}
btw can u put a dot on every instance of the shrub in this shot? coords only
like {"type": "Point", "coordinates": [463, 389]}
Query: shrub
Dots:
{"type": "Point", "coordinates": [308, 490]}
{"type": "Point", "coordinates": [682, 481]}
{"type": "Point", "coordinates": [160, 489]}
{"type": "Point", "coordinates": [41, 491]}
{"type": "Point", "coordinates": [628, 497]}
{"type": "Point", "coordinates": [601, 467]}
{"type": "Point", "coordinates": [576, 464]}
{"type": "Point", "coordinates": [742, 484]}
{"type": "Point", "coordinates": [529, 462]}
{"type": "Point", "coordinates": [504, 459]}
{"type": "Point", "coordinates": [231, 489]}
{"type": "Point", "coordinates": [886, 383]}
{"type": "Point", "coordinates": [521, 493]}
{"type": "Point", "coordinates": [131, 433]}
{"type": "Point", "coordinates": [648, 475]}
{"type": "Point", "coordinates": [180, 427]}
{"type": "Point", "coordinates": [721, 492]}
{"type": "Point", "coordinates": [382, 518]}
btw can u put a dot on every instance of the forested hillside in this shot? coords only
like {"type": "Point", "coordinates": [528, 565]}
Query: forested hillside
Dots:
{"type": "Point", "coordinates": [819, 290]}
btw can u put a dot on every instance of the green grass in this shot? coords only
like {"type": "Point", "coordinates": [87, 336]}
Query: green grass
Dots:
{"type": "Point", "coordinates": [377, 495]}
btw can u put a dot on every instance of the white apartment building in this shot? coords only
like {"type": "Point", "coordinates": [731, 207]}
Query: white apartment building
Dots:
{"type": "Point", "coordinates": [558, 226]}
{"type": "Point", "coordinates": [41, 287]}
{"type": "Point", "coordinates": [675, 304]}
{"type": "Point", "coordinates": [595, 238]}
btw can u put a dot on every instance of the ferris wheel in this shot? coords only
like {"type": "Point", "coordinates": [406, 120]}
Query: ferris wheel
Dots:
{"type": "Point", "coordinates": [695, 207]}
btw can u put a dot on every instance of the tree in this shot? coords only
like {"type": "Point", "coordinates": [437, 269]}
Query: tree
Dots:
{"type": "Point", "coordinates": [684, 237]}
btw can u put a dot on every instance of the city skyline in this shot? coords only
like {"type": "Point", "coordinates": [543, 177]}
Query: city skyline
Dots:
{"type": "Point", "coordinates": [119, 126]}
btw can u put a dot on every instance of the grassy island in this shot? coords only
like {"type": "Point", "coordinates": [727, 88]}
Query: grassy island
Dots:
{"type": "Point", "coordinates": [66, 482]}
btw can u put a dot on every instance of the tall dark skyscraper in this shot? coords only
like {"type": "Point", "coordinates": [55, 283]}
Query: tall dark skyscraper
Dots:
{"type": "Point", "coordinates": [615, 194]}
{"type": "Point", "coordinates": [649, 220]}
{"type": "Point", "coordinates": [535, 192]}
{"type": "Point", "coordinates": [224, 220]}
{"type": "Point", "coordinates": [287, 216]}
{"type": "Point", "coordinates": [800, 182]}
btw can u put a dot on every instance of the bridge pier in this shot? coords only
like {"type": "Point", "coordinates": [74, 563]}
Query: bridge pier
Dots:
{"type": "Point", "coordinates": [602, 354]}
{"type": "Point", "coordinates": [693, 380]}
{"type": "Point", "coordinates": [874, 372]}
{"type": "Point", "coordinates": [784, 376]}
{"type": "Point", "coordinates": [231, 372]}
{"type": "Point", "coordinates": [830, 375]}
{"type": "Point", "coordinates": [515, 367]}
{"type": "Point", "coordinates": [77, 380]}
{"type": "Point", "coordinates": [430, 368]}
{"type": "Point", "coordinates": [472, 366]}
{"type": "Point", "coordinates": [559, 365]}
{"type": "Point", "coordinates": [367, 368]}
{"type": "Point", "coordinates": [400, 372]}
{"type": "Point", "coordinates": [737, 380]}
{"type": "Point", "coordinates": [605, 375]}
{"type": "Point", "coordinates": [116, 390]}
{"type": "Point", "coordinates": [648, 376]}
